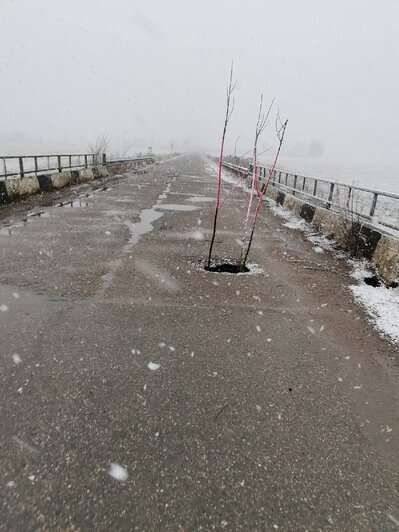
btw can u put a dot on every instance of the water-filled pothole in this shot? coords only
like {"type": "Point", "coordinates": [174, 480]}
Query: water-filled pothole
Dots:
{"type": "Point", "coordinates": [227, 267]}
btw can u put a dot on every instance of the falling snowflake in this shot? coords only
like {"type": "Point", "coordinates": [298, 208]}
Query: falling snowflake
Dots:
{"type": "Point", "coordinates": [16, 359]}
{"type": "Point", "coordinates": [118, 472]}
{"type": "Point", "coordinates": [152, 366]}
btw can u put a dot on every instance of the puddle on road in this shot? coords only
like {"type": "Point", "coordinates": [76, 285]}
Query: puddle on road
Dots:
{"type": "Point", "coordinates": [177, 207]}
{"type": "Point", "coordinates": [147, 217]}
{"type": "Point", "coordinates": [201, 199]}
{"type": "Point", "coordinates": [74, 204]}
{"type": "Point", "coordinates": [40, 214]}
{"type": "Point", "coordinates": [8, 229]}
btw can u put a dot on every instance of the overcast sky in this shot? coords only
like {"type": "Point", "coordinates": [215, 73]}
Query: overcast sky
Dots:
{"type": "Point", "coordinates": [152, 72]}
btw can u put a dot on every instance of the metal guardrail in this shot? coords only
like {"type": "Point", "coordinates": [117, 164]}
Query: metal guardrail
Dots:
{"type": "Point", "coordinates": [19, 166]}
{"type": "Point", "coordinates": [135, 161]}
{"type": "Point", "coordinates": [372, 205]}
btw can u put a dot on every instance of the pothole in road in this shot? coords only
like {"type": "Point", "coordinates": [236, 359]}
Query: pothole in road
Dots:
{"type": "Point", "coordinates": [229, 266]}
{"type": "Point", "coordinates": [226, 267]}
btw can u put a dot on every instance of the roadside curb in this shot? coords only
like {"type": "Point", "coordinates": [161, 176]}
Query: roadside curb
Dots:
{"type": "Point", "coordinates": [381, 249]}
{"type": "Point", "coordinates": [375, 245]}
{"type": "Point", "coordinates": [16, 189]}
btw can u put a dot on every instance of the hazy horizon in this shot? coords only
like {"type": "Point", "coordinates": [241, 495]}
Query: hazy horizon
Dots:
{"type": "Point", "coordinates": [154, 74]}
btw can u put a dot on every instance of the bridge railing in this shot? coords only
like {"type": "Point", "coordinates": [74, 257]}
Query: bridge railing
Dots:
{"type": "Point", "coordinates": [369, 204]}
{"type": "Point", "coordinates": [14, 166]}
{"type": "Point", "coordinates": [134, 161]}
{"type": "Point", "coordinates": [19, 166]}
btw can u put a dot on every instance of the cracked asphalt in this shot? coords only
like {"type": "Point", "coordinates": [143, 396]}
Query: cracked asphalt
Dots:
{"type": "Point", "coordinates": [251, 402]}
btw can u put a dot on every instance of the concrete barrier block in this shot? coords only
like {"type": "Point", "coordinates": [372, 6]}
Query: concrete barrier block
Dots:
{"type": "Point", "coordinates": [328, 222]}
{"type": "Point", "coordinates": [293, 204]}
{"type": "Point", "coordinates": [272, 193]}
{"type": "Point", "coordinates": [86, 175]}
{"type": "Point", "coordinates": [61, 179]}
{"type": "Point", "coordinates": [102, 171]}
{"type": "Point", "coordinates": [3, 193]}
{"type": "Point", "coordinates": [19, 188]}
{"type": "Point", "coordinates": [368, 241]}
{"type": "Point", "coordinates": [307, 212]}
{"type": "Point", "coordinates": [386, 259]}
{"type": "Point", "coordinates": [280, 198]}
{"type": "Point", "coordinates": [74, 176]}
{"type": "Point", "coordinates": [45, 182]}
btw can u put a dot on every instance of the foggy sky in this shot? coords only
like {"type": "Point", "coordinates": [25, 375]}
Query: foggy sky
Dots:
{"type": "Point", "coordinates": [154, 72]}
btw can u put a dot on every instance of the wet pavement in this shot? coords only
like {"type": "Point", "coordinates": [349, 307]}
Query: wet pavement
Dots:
{"type": "Point", "coordinates": [140, 392]}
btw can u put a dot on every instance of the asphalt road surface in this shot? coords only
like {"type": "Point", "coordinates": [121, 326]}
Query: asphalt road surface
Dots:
{"type": "Point", "coordinates": [140, 392]}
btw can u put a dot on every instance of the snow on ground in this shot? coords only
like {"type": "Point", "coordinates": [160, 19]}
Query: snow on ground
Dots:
{"type": "Point", "coordinates": [381, 303]}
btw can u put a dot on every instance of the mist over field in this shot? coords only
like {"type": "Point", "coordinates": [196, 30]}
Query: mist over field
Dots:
{"type": "Point", "coordinates": [154, 74]}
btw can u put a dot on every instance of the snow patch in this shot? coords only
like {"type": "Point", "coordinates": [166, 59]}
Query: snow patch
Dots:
{"type": "Point", "coordinates": [382, 303]}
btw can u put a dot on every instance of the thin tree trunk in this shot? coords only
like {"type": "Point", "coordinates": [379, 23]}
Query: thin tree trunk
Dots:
{"type": "Point", "coordinates": [213, 237]}
{"type": "Point", "coordinates": [230, 90]}
{"type": "Point", "coordinates": [249, 247]}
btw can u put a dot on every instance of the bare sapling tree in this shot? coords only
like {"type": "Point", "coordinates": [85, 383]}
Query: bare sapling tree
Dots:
{"type": "Point", "coordinates": [261, 191]}
{"type": "Point", "coordinates": [100, 146]}
{"type": "Point", "coordinates": [261, 125]}
{"type": "Point", "coordinates": [120, 155]}
{"type": "Point", "coordinates": [229, 112]}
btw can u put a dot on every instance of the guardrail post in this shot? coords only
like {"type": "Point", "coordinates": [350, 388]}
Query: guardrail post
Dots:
{"type": "Point", "coordinates": [21, 166]}
{"type": "Point", "coordinates": [279, 177]}
{"type": "Point", "coordinates": [330, 195]}
{"type": "Point", "coordinates": [303, 184]}
{"type": "Point", "coordinates": [315, 187]}
{"type": "Point", "coordinates": [104, 158]}
{"type": "Point", "coordinates": [59, 163]}
{"type": "Point", "coordinates": [70, 161]}
{"type": "Point", "coordinates": [349, 197]}
{"type": "Point", "coordinates": [373, 204]}
{"type": "Point", "coordinates": [35, 159]}
{"type": "Point", "coordinates": [5, 168]}
{"type": "Point", "coordinates": [85, 161]}
{"type": "Point", "coordinates": [295, 180]}
{"type": "Point", "coordinates": [48, 163]}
